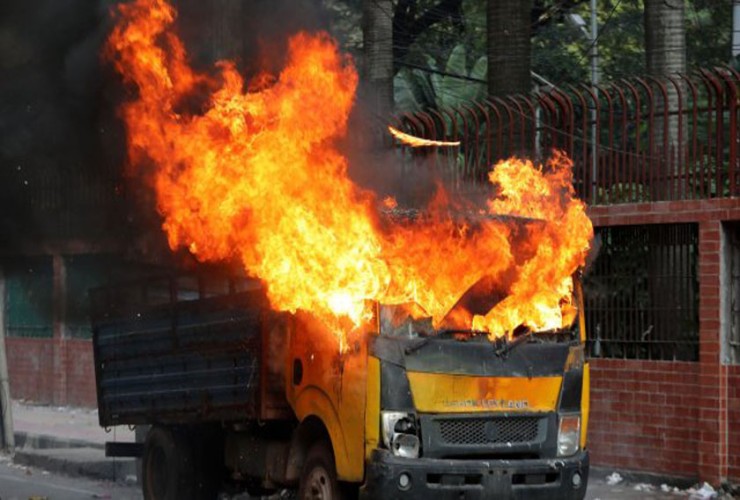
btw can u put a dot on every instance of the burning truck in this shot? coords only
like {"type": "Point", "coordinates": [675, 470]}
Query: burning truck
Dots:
{"type": "Point", "coordinates": [366, 349]}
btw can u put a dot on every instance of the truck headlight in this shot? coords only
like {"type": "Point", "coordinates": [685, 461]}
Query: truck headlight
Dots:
{"type": "Point", "coordinates": [569, 435]}
{"type": "Point", "coordinates": [399, 433]}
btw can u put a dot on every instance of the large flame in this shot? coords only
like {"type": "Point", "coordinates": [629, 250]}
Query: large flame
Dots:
{"type": "Point", "coordinates": [257, 175]}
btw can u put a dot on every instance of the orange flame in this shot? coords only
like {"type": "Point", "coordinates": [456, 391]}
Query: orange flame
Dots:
{"type": "Point", "coordinates": [417, 142]}
{"type": "Point", "coordinates": [257, 175]}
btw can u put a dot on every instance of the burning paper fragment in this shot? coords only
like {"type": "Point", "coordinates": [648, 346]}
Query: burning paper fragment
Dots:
{"type": "Point", "coordinates": [418, 142]}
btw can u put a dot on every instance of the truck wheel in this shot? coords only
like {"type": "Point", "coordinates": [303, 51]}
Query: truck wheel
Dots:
{"type": "Point", "coordinates": [319, 476]}
{"type": "Point", "coordinates": [167, 466]}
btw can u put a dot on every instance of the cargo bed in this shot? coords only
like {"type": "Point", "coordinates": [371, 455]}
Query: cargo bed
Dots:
{"type": "Point", "coordinates": [164, 355]}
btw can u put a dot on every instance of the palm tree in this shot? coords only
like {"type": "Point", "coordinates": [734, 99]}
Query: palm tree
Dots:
{"type": "Point", "coordinates": [509, 26]}
{"type": "Point", "coordinates": [378, 60]}
{"type": "Point", "coordinates": [665, 37]}
{"type": "Point", "coordinates": [509, 49]}
{"type": "Point", "coordinates": [665, 53]}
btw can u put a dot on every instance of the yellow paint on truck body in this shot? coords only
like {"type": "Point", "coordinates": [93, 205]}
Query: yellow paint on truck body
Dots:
{"type": "Point", "coordinates": [332, 388]}
{"type": "Point", "coordinates": [445, 393]}
{"type": "Point", "coordinates": [585, 403]}
{"type": "Point", "coordinates": [372, 410]}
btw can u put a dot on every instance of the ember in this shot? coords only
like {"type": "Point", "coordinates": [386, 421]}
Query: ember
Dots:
{"type": "Point", "coordinates": [257, 175]}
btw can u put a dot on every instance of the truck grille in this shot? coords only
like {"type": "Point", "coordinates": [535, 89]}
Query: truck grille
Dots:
{"type": "Point", "coordinates": [472, 431]}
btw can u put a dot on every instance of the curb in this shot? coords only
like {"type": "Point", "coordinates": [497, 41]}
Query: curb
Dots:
{"type": "Point", "coordinates": [45, 441]}
{"type": "Point", "coordinates": [78, 462]}
{"type": "Point", "coordinates": [72, 457]}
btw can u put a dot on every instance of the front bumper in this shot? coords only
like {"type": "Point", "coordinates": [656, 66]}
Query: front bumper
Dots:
{"type": "Point", "coordinates": [431, 478]}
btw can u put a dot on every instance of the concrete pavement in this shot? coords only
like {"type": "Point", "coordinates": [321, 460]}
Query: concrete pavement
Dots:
{"type": "Point", "coordinates": [68, 441]}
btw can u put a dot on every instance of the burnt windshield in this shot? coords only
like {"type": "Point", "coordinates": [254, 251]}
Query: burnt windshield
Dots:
{"type": "Point", "coordinates": [405, 320]}
{"type": "Point", "coordinates": [410, 321]}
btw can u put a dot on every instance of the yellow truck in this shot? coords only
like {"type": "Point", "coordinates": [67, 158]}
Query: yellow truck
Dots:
{"type": "Point", "coordinates": [239, 397]}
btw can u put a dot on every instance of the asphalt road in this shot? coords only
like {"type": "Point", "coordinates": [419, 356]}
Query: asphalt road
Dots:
{"type": "Point", "coordinates": [23, 483]}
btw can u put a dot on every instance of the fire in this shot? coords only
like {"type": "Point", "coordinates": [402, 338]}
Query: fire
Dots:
{"type": "Point", "coordinates": [417, 142]}
{"type": "Point", "coordinates": [256, 174]}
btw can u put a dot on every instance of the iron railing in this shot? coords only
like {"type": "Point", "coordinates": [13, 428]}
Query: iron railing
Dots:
{"type": "Point", "coordinates": [732, 261]}
{"type": "Point", "coordinates": [642, 293]}
{"type": "Point", "coordinates": [637, 140]}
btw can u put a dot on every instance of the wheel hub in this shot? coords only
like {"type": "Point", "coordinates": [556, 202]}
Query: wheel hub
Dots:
{"type": "Point", "coordinates": [318, 485]}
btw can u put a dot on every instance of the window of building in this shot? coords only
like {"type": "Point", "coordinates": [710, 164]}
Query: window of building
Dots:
{"type": "Point", "coordinates": [29, 296]}
{"type": "Point", "coordinates": [642, 293]}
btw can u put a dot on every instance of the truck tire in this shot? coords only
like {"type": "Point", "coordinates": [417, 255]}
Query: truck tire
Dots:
{"type": "Point", "coordinates": [319, 475]}
{"type": "Point", "coordinates": [168, 470]}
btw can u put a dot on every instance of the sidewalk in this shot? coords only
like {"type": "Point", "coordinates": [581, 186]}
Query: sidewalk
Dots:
{"type": "Point", "coordinates": [68, 441]}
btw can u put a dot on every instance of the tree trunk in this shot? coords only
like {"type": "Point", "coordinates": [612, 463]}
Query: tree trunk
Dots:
{"type": "Point", "coordinates": [378, 48]}
{"type": "Point", "coordinates": [665, 53]}
{"type": "Point", "coordinates": [509, 65]}
{"type": "Point", "coordinates": [665, 37]}
{"type": "Point", "coordinates": [509, 48]}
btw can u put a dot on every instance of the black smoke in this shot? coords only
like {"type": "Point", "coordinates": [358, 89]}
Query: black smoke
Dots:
{"type": "Point", "coordinates": [62, 147]}
{"type": "Point", "coordinates": [53, 175]}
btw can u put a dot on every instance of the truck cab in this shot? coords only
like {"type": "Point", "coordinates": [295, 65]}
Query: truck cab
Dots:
{"type": "Point", "coordinates": [411, 412]}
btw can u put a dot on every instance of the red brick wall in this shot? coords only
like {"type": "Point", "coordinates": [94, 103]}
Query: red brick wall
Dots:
{"type": "Point", "coordinates": [733, 419]}
{"type": "Point", "coordinates": [30, 371]}
{"type": "Point", "coordinates": [80, 370]}
{"type": "Point", "coordinates": [36, 374]}
{"type": "Point", "coordinates": [643, 415]}
{"type": "Point", "coordinates": [666, 212]}
{"type": "Point", "coordinates": [709, 427]}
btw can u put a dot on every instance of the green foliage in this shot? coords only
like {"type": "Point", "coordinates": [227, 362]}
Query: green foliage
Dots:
{"type": "Point", "coordinates": [708, 32]}
{"type": "Point", "coordinates": [703, 179]}
{"type": "Point", "coordinates": [559, 50]}
{"type": "Point", "coordinates": [417, 89]}
{"type": "Point", "coordinates": [346, 24]}
{"type": "Point", "coordinates": [439, 40]}
{"type": "Point", "coordinates": [622, 192]}
{"type": "Point", "coordinates": [555, 50]}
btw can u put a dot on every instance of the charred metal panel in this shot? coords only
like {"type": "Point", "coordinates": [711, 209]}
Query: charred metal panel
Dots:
{"type": "Point", "coordinates": [195, 360]}
{"type": "Point", "coordinates": [475, 357]}
{"type": "Point", "coordinates": [395, 392]}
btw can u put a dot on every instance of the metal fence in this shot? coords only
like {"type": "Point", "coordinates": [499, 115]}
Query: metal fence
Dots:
{"type": "Point", "coordinates": [635, 140]}
{"type": "Point", "coordinates": [642, 293]}
{"type": "Point", "coordinates": [732, 232]}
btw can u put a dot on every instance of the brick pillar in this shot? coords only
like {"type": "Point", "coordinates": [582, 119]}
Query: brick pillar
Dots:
{"type": "Point", "coordinates": [59, 347]}
{"type": "Point", "coordinates": [712, 424]}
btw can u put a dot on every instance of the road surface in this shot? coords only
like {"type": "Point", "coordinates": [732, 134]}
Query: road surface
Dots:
{"type": "Point", "coordinates": [24, 483]}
